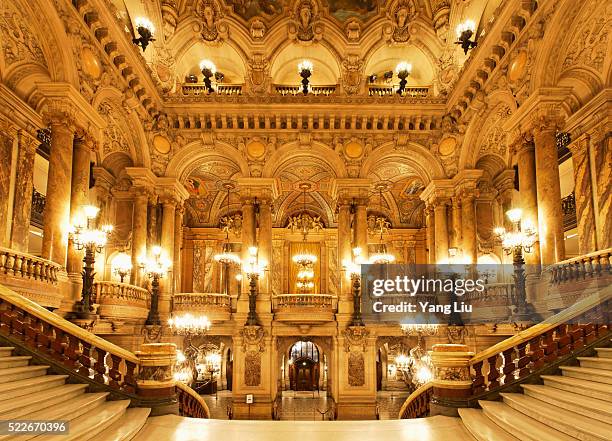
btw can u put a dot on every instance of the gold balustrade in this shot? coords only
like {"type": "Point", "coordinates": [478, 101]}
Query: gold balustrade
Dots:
{"type": "Point", "coordinates": [217, 307]}
{"type": "Point", "coordinates": [287, 90]}
{"type": "Point", "coordinates": [304, 308]}
{"type": "Point", "coordinates": [121, 300]}
{"type": "Point", "coordinates": [196, 89]}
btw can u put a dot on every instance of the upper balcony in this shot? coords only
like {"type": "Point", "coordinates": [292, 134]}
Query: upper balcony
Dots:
{"type": "Point", "coordinates": [304, 308]}
{"type": "Point", "coordinates": [121, 300]}
{"type": "Point", "coordinates": [217, 307]}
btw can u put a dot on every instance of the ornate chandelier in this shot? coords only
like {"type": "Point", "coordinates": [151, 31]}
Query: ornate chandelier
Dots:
{"type": "Point", "coordinates": [304, 222]}
{"type": "Point", "coordinates": [381, 255]}
{"type": "Point", "coordinates": [226, 256]}
{"type": "Point", "coordinates": [190, 325]}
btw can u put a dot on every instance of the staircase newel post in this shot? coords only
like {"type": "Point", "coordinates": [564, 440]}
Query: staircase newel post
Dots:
{"type": "Point", "coordinates": [452, 383]}
{"type": "Point", "coordinates": [155, 381]}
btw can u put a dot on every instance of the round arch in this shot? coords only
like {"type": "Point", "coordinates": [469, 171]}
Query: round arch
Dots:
{"type": "Point", "coordinates": [193, 153]}
{"type": "Point", "coordinates": [416, 156]}
{"type": "Point", "coordinates": [293, 151]}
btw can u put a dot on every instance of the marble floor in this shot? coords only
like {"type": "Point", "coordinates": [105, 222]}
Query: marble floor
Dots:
{"type": "Point", "coordinates": [175, 428]}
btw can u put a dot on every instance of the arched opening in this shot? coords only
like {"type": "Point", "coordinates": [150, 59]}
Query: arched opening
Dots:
{"type": "Point", "coordinates": [304, 367]}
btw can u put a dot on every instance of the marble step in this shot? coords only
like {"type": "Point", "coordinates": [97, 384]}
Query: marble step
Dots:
{"type": "Point", "coordinates": [126, 427]}
{"type": "Point", "coordinates": [6, 351]}
{"type": "Point", "coordinates": [520, 425]}
{"type": "Point", "coordinates": [482, 428]}
{"type": "Point", "coordinates": [604, 352]}
{"type": "Point", "coordinates": [21, 373]}
{"type": "Point", "coordinates": [94, 423]}
{"type": "Point", "coordinates": [590, 374]}
{"type": "Point", "coordinates": [587, 388]}
{"type": "Point", "coordinates": [596, 362]}
{"type": "Point", "coordinates": [66, 411]}
{"type": "Point", "coordinates": [11, 362]}
{"type": "Point", "coordinates": [30, 386]}
{"type": "Point", "coordinates": [589, 407]}
{"type": "Point", "coordinates": [570, 423]}
{"type": "Point", "coordinates": [17, 407]}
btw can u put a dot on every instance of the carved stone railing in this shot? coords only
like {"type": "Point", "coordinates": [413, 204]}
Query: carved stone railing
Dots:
{"type": "Point", "coordinates": [589, 266]}
{"type": "Point", "coordinates": [304, 308]}
{"type": "Point", "coordinates": [417, 403]}
{"type": "Point", "coordinates": [191, 404]}
{"type": "Point", "coordinates": [121, 300]}
{"type": "Point", "coordinates": [38, 207]}
{"type": "Point", "coordinates": [217, 307]}
{"type": "Point", "coordinates": [389, 90]}
{"type": "Point", "coordinates": [31, 276]}
{"type": "Point", "coordinates": [221, 89]}
{"type": "Point", "coordinates": [145, 378]}
{"type": "Point", "coordinates": [286, 90]}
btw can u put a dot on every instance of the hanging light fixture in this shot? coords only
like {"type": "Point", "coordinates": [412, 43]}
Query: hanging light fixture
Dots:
{"type": "Point", "coordinates": [226, 256]}
{"type": "Point", "coordinates": [381, 255]}
{"type": "Point", "coordinates": [465, 31]}
{"type": "Point", "coordinates": [188, 324]}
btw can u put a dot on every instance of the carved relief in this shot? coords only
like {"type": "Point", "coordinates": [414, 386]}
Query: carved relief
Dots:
{"type": "Point", "coordinates": [355, 338]}
{"type": "Point", "coordinates": [199, 250]}
{"type": "Point", "coordinates": [452, 373]}
{"type": "Point", "coordinates": [19, 41]}
{"type": "Point", "coordinates": [114, 138]}
{"type": "Point", "coordinates": [352, 73]}
{"type": "Point", "coordinates": [231, 224]}
{"type": "Point", "coordinates": [305, 26]}
{"type": "Point", "coordinates": [400, 13]}
{"type": "Point", "coordinates": [252, 345]}
{"type": "Point", "coordinates": [356, 369]}
{"type": "Point", "coordinates": [259, 68]}
{"type": "Point", "coordinates": [333, 273]}
{"type": "Point", "coordinates": [212, 29]}
{"type": "Point", "coordinates": [252, 369]}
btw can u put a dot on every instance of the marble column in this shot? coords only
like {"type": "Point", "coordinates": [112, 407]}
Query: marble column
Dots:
{"type": "Point", "coordinates": [7, 140]}
{"type": "Point", "coordinates": [583, 191]}
{"type": "Point", "coordinates": [457, 228]}
{"type": "Point", "coordinates": [22, 203]}
{"type": "Point", "coordinates": [361, 228]}
{"type": "Point", "coordinates": [167, 245]}
{"type": "Point", "coordinates": [344, 242]}
{"type": "Point", "coordinates": [265, 245]}
{"type": "Point", "coordinates": [441, 228]}
{"type": "Point", "coordinates": [431, 234]}
{"type": "Point", "coordinates": [528, 194]}
{"type": "Point", "coordinates": [550, 216]}
{"type": "Point", "coordinates": [79, 196]}
{"type": "Point", "coordinates": [468, 226]}
{"type": "Point", "coordinates": [56, 216]}
{"type": "Point", "coordinates": [139, 234]}
{"type": "Point", "coordinates": [152, 222]}
{"type": "Point", "coordinates": [602, 170]}
{"type": "Point", "coordinates": [178, 246]}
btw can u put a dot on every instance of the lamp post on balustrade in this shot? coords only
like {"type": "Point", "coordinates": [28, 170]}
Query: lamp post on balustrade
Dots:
{"type": "Point", "coordinates": [86, 237]}
{"type": "Point", "coordinates": [122, 265]}
{"type": "Point", "coordinates": [155, 267]}
{"type": "Point", "coordinates": [254, 268]}
{"type": "Point", "coordinates": [516, 242]}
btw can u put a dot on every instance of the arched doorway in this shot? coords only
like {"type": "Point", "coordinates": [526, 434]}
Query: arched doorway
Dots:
{"type": "Point", "coordinates": [304, 366]}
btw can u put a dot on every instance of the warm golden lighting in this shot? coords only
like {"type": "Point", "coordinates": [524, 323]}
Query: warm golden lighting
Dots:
{"type": "Point", "coordinates": [305, 65]}
{"type": "Point", "coordinates": [145, 23]}
{"type": "Point", "coordinates": [208, 65]}
{"type": "Point", "coordinates": [403, 67]}
{"type": "Point", "coordinates": [514, 215]}
{"type": "Point", "coordinates": [158, 264]}
{"type": "Point", "coordinates": [188, 324]}
{"type": "Point", "coordinates": [467, 25]}
{"type": "Point", "coordinates": [121, 265]}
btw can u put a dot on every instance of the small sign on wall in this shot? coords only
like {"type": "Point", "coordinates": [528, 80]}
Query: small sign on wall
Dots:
{"type": "Point", "coordinates": [249, 399]}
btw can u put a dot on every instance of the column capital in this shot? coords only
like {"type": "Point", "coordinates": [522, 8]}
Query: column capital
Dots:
{"type": "Point", "coordinates": [579, 146]}
{"type": "Point", "coordinates": [170, 190]}
{"type": "Point", "coordinates": [141, 177]}
{"type": "Point", "coordinates": [266, 190]}
{"type": "Point", "coordinates": [86, 138]}
{"type": "Point", "coordinates": [344, 190]}
{"type": "Point", "coordinates": [504, 181]}
{"type": "Point", "coordinates": [438, 192]}
{"type": "Point", "coordinates": [27, 141]}
{"type": "Point", "coordinates": [103, 178]}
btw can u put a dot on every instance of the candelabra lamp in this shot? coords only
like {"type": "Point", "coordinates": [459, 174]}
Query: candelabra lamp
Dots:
{"type": "Point", "coordinates": [403, 69]}
{"type": "Point", "coordinates": [465, 31]}
{"type": "Point", "coordinates": [92, 240]}
{"type": "Point", "coordinates": [305, 70]}
{"type": "Point", "coordinates": [145, 30]}
{"type": "Point", "coordinates": [209, 70]}
{"type": "Point", "coordinates": [155, 266]}
{"type": "Point", "coordinates": [122, 265]}
{"type": "Point", "coordinates": [353, 268]}
{"type": "Point", "coordinates": [253, 269]}
{"type": "Point", "coordinates": [516, 242]}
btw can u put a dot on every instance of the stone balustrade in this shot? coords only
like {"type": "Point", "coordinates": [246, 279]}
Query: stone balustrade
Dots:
{"type": "Point", "coordinates": [389, 90]}
{"type": "Point", "coordinates": [304, 308]}
{"type": "Point", "coordinates": [285, 90]}
{"type": "Point", "coordinates": [589, 266]}
{"type": "Point", "coordinates": [217, 307]}
{"type": "Point", "coordinates": [121, 300]}
{"type": "Point", "coordinates": [31, 276]}
{"type": "Point", "coordinates": [221, 89]}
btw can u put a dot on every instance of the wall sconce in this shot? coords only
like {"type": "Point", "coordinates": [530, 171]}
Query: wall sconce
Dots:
{"type": "Point", "coordinates": [145, 30]}
{"type": "Point", "coordinates": [465, 31]}
{"type": "Point", "coordinates": [403, 69]}
{"type": "Point", "coordinates": [305, 69]}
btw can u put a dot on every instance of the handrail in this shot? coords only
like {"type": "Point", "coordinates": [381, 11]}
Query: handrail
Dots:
{"type": "Point", "coordinates": [584, 256]}
{"type": "Point", "coordinates": [548, 324]}
{"type": "Point", "coordinates": [28, 266]}
{"type": "Point", "coordinates": [422, 394]}
{"type": "Point", "coordinates": [105, 288]}
{"type": "Point", "coordinates": [28, 306]}
{"type": "Point", "coordinates": [191, 404]}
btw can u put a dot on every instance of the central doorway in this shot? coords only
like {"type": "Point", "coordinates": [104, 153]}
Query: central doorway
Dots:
{"type": "Point", "coordinates": [304, 367]}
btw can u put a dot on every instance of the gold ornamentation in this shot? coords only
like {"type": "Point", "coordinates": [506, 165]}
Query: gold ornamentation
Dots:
{"type": "Point", "coordinates": [356, 369]}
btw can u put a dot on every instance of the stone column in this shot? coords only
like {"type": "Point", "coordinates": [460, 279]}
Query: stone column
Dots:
{"type": "Point", "coordinates": [361, 228]}
{"type": "Point", "coordinates": [22, 203]}
{"type": "Point", "coordinates": [167, 245]}
{"type": "Point", "coordinates": [457, 227]}
{"type": "Point", "coordinates": [152, 222]}
{"type": "Point", "coordinates": [441, 228]}
{"type": "Point", "coordinates": [583, 191]}
{"type": "Point", "coordinates": [57, 207]}
{"type": "Point", "coordinates": [178, 246]}
{"type": "Point", "coordinates": [344, 243]}
{"type": "Point", "coordinates": [529, 198]}
{"type": "Point", "coordinates": [79, 196]}
{"type": "Point", "coordinates": [265, 245]}
{"type": "Point", "coordinates": [431, 234]}
{"type": "Point", "coordinates": [139, 234]}
{"type": "Point", "coordinates": [468, 226]}
{"type": "Point", "coordinates": [550, 216]}
{"type": "Point", "coordinates": [601, 165]}
{"type": "Point", "coordinates": [7, 140]}
{"type": "Point", "coordinates": [249, 234]}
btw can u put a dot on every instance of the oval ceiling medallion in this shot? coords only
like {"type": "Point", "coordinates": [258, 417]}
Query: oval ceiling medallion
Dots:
{"type": "Point", "coordinates": [353, 150]}
{"type": "Point", "coordinates": [161, 144]}
{"type": "Point", "coordinates": [517, 67]}
{"type": "Point", "coordinates": [256, 149]}
{"type": "Point", "coordinates": [91, 64]}
{"type": "Point", "coordinates": [447, 146]}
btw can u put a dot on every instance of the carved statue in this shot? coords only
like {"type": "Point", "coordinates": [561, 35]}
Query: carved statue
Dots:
{"type": "Point", "coordinates": [305, 27]}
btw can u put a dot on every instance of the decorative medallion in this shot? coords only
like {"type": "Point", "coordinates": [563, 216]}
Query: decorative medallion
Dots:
{"type": "Point", "coordinates": [256, 149]}
{"type": "Point", "coordinates": [353, 150]}
{"type": "Point", "coordinates": [517, 67]}
{"type": "Point", "coordinates": [91, 63]}
{"type": "Point", "coordinates": [162, 144]}
{"type": "Point", "coordinates": [447, 146]}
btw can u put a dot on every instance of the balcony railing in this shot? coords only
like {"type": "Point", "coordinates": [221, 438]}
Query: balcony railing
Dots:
{"type": "Point", "coordinates": [221, 89]}
{"type": "Point", "coordinates": [121, 300]}
{"type": "Point", "coordinates": [287, 90]}
{"type": "Point", "coordinates": [390, 90]}
{"type": "Point", "coordinates": [589, 266]}
{"type": "Point", "coordinates": [217, 307]}
{"type": "Point", "coordinates": [568, 206]}
{"type": "Point", "coordinates": [304, 308]}
{"type": "Point", "coordinates": [30, 276]}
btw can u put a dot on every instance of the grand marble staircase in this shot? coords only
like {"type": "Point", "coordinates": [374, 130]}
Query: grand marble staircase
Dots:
{"type": "Point", "coordinates": [574, 405]}
{"type": "Point", "coordinates": [29, 392]}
